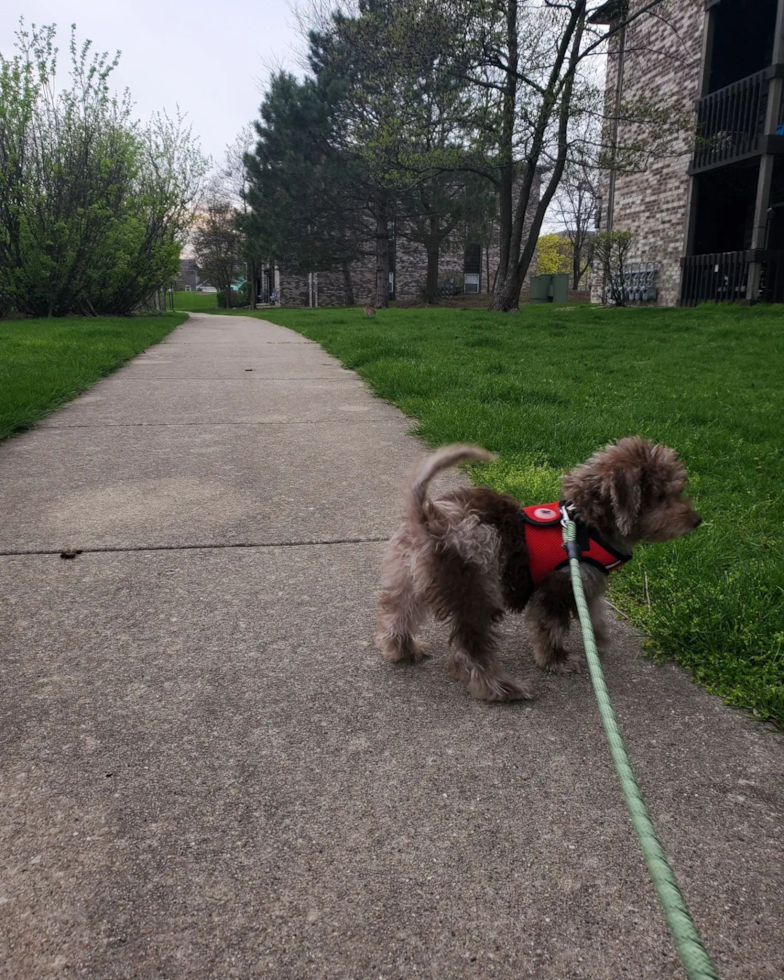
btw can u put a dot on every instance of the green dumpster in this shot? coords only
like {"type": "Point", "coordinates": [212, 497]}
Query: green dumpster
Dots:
{"type": "Point", "coordinates": [540, 289]}
{"type": "Point", "coordinates": [549, 289]}
{"type": "Point", "coordinates": [559, 291]}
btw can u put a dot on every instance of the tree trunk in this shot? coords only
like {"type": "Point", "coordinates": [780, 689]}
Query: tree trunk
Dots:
{"type": "Point", "coordinates": [252, 285]}
{"type": "Point", "coordinates": [571, 40]}
{"type": "Point", "coordinates": [382, 260]}
{"type": "Point", "coordinates": [507, 261]}
{"type": "Point", "coordinates": [507, 292]}
{"type": "Point", "coordinates": [348, 288]}
{"type": "Point", "coordinates": [431, 278]}
{"type": "Point", "coordinates": [516, 257]}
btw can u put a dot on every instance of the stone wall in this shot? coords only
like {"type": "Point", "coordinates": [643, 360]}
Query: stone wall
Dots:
{"type": "Point", "coordinates": [662, 63]}
{"type": "Point", "coordinates": [410, 270]}
{"type": "Point", "coordinates": [328, 287]}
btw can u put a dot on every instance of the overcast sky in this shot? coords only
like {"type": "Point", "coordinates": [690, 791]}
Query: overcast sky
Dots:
{"type": "Point", "coordinates": [206, 57]}
{"type": "Point", "coordinates": [209, 57]}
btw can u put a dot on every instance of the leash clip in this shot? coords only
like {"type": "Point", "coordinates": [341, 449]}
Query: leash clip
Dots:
{"type": "Point", "coordinates": [572, 548]}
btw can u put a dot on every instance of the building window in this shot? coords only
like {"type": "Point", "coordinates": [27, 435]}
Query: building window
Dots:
{"type": "Point", "coordinates": [472, 268]}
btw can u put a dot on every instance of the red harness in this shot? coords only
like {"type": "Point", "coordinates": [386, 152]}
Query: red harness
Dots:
{"type": "Point", "coordinates": [544, 541]}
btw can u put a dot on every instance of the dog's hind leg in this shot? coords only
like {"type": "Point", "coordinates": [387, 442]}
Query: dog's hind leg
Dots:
{"type": "Point", "coordinates": [398, 620]}
{"type": "Point", "coordinates": [472, 611]}
{"type": "Point", "coordinates": [400, 614]}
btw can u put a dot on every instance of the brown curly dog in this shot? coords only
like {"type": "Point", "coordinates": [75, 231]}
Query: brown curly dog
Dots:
{"type": "Point", "coordinates": [465, 558]}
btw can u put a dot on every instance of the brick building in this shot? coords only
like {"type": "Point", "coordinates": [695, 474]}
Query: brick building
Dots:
{"type": "Point", "coordinates": [465, 266]}
{"type": "Point", "coordinates": [707, 218]}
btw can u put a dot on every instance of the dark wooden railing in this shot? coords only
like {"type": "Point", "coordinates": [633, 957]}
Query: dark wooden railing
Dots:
{"type": "Point", "coordinates": [717, 277]}
{"type": "Point", "coordinates": [722, 277]}
{"type": "Point", "coordinates": [731, 121]}
{"type": "Point", "coordinates": [772, 282]}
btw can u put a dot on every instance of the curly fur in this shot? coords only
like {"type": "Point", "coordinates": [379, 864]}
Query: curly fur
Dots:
{"type": "Point", "coordinates": [463, 558]}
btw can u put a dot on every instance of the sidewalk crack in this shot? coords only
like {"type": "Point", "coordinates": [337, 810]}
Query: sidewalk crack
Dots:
{"type": "Point", "coordinates": [196, 547]}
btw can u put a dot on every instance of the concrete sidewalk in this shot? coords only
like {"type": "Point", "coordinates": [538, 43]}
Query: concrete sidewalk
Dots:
{"type": "Point", "coordinates": [208, 772]}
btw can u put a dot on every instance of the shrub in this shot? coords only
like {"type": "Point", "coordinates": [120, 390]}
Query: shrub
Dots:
{"type": "Point", "coordinates": [93, 205]}
{"type": "Point", "coordinates": [611, 253]}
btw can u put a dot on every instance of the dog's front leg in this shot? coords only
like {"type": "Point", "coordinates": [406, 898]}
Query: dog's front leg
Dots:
{"type": "Point", "coordinates": [549, 615]}
{"type": "Point", "coordinates": [594, 586]}
{"type": "Point", "coordinates": [599, 613]}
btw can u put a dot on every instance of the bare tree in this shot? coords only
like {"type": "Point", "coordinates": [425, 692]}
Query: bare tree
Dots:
{"type": "Point", "coordinates": [232, 176]}
{"type": "Point", "coordinates": [530, 102]}
{"type": "Point", "coordinates": [612, 255]}
{"type": "Point", "coordinates": [532, 67]}
{"type": "Point", "coordinates": [217, 245]}
{"type": "Point", "coordinates": [232, 184]}
{"type": "Point", "coordinates": [574, 207]}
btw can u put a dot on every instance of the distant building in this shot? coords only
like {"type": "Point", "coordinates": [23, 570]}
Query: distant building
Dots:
{"type": "Point", "coordinates": [189, 276]}
{"type": "Point", "coordinates": [708, 219]}
{"type": "Point", "coordinates": [190, 279]}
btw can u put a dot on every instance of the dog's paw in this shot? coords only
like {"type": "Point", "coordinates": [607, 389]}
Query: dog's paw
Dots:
{"type": "Point", "coordinates": [409, 652]}
{"type": "Point", "coordinates": [416, 653]}
{"type": "Point", "coordinates": [501, 687]}
{"type": "Point", "coordinates": [569, 665]}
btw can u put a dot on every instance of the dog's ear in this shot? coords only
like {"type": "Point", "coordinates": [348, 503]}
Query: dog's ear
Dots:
{"type": "Point", "coordinates": [626, 497]}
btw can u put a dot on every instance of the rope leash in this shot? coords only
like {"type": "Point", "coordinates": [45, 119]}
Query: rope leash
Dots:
{"type": "Point", "coordinates": [695, 960]}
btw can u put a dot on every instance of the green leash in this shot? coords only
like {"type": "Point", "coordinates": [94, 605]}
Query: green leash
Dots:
{"type": "Point", "coordinates": [695, 960]}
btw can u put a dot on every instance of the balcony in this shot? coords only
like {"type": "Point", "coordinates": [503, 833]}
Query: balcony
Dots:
{"type": "Point", "coordinates": [722, 277]}
{"type": "Point", "coordinates": [731, 122]}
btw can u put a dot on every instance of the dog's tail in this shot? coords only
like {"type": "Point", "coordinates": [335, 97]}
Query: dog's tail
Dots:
{"type": "Point", "coordinates": [441, 460]}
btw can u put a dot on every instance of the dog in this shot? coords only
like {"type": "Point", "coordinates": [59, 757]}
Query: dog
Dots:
{"type": "Point", "coordinates": [473, 554]}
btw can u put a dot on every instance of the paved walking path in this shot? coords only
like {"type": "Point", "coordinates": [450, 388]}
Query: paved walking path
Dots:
{"type": "Point", "coordinates": [208, 772]}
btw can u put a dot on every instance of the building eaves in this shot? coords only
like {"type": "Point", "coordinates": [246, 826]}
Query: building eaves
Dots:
{"type": "Point", "coordinates": [609, 11]}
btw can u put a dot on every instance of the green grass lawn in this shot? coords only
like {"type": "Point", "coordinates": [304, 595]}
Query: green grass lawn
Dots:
{"type": "Point", "coordinates": [195, 302]}
{"type": "Point", "coordinates": [546, 387]}
{"type": "Point", "coordinates": [44, 363]}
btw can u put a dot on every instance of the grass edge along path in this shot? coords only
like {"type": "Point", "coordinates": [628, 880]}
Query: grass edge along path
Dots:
{"type": "Point", "coordinates": [46, 363]}
{"type": "Point", "coordinates": [186, 300]}
{"type": "Point", "coordinates": [548, 386]}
